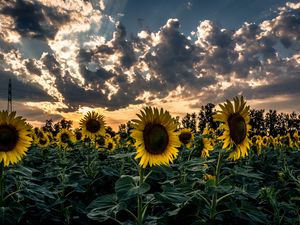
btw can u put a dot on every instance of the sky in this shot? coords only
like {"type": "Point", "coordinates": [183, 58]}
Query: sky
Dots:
{"type": "Point", "coordinates": [66, 58]}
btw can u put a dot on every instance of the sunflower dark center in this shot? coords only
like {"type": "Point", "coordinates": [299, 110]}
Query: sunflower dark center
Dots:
{"type": "Point", "coordinates": [156, 138]}
{"type": "Point", "coordinates": [93, 125]}
{"type": "Point", "coordinates": [64, 138]}
{"type": "Point", "coordinates": [43, 141]}
{"type": "Point", "coordinates": [110, 145]}
{"type": "Point", "coordinates": [9, 137]}
{"type": "Point", "coordinates": [185, 137]}
{"type": "Point", "coordinates": [237, 128]}
{"type": "Point", "coordinates": [40, 135]}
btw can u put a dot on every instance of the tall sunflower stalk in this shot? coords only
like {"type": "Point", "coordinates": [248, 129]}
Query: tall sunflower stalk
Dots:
{"type": "Point", "coordinates": [156, 144]}
{"type": "Point", "coordinates": [235, 121]}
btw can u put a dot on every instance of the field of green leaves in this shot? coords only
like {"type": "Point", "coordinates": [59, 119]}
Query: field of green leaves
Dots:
{"type": "Point", "coordinates": [78, 179]}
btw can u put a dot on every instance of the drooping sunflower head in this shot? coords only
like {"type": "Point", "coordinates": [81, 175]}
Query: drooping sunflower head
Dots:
{"type": "Point", "coordinates": [92, 124]}
{"type": "Point", "coordinates": [65, 137]}
{"type": "Point", "coordinates": [15, 138]}
{"type": "Point", "coordinates": [235, 121]}
{"type": "Point", "coordinates": [156, 139]}
{"type": "Point", "coordinates": [202, 146]}
{"type": "Point", "coordinates": [186, 136]}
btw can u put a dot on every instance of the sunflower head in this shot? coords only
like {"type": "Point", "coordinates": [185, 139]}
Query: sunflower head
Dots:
{"type": "Point", "coordinates": [156, 139]}
{"type": "Point", "coordinates": [78, 135]}
{"type": "Point", "coordinates": [92, 124]}
{"type": "Point", "coordinates": [110, 144]}
{"type": "Point", "coordinates": [295, 136]}
{"type": "Point", "coordinates": [202, 146]}
{"type": "Point", "coordinates": [65, 137]}
{"type": "Point", "coordinates": [100, 142]}
{"type": "Point", "coordinates": [43, 142]}
{"type": "Point", "coordinates": [15, 138]}
{"type": "Point", "coordinates": [235, 121]}
{"type": "Point", "coordinates": [186, 136]}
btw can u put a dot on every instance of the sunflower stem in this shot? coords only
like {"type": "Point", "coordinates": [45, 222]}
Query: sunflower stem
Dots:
{"type": "Point", "coordinates": [214, 201]}
{"type": "Point", "coordinates": [140, 213]}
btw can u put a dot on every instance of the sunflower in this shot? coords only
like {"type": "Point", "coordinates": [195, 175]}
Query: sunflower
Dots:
{"type": "Point", "coordinates": [203, 144]}
{"type": "Point", "coordinates": [186, 136]}
{"type": "Point", "coordinates": [117, 139]}
{"type": "Point", "coordinates": [110, 144]}
{"type": "Point", "coordinates": [286, 141]}
{"type": "Point", "coordinates": [156, 139]}
{"type": "Point", "coordinates": [277, 141]}
{"type": "Point", "coordinates": [92, 124]}
{"type": "Point", "coordinates": [78, 135]}
{"type": "Point", "coordinates": [65, 137]}
{"type": "Point", "coordinates": [207, 143]}
{"type": "Point", "coordinates": [209, 177]}
{"type": "Point", "coordinates": [100, 142]}
{"type": "Point", "coordinates": [43, 139]}
{"type": "Point", "coordinates": [15, 138]}
{"type": "Point", "coordinates": [257, 144]}
{"type": "Point", "coordinates": [265, 141]}
{"type": "Point", "coordinates": [296, 139]}
{"type": "Point", "coordinates": [211, 133]}
{"type": "Point", "coordinates": [235, 118]}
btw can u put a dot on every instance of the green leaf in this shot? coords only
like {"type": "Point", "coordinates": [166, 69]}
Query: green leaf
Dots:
{"type": "Point", "coordinates": [127, 187]}
{"type": "Point", "coordinates": [123, 155]}
{"type": "Point", "coordinates": [104, 207]}
{"type": "Point", "coordinates": [172, 195]}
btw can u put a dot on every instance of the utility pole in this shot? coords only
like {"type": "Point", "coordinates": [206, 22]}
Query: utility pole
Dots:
{"type": "Point", "coordinates": [9, 97]}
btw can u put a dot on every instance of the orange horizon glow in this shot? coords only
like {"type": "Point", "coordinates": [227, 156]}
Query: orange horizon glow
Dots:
{"type": "Point", "coordinates": [176, 108]}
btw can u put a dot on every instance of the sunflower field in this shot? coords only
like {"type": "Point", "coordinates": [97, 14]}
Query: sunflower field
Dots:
{"type": "Point", "coordinates": [237, 166]}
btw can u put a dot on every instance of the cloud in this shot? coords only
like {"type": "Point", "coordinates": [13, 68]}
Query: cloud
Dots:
{"type": "Point", "coordinates": [76, 65]}
{"type": "Point", "coordinates": [33, 19]}
{"type": "Point", "coordinates": [22, 91]}
{"type": "Point", "coordinates": [286, 25]}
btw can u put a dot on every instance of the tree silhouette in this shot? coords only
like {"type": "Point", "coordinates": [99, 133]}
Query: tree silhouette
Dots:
{"type": "Point", "coordinates": [257, 122]}
{"type": "Point", "coordinates": [205, 117]}
{"type": "Point", "coordinates": [189, 121]}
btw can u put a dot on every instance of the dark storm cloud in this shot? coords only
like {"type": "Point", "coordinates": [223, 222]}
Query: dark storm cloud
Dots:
{"type": "Point", "coordinates": [173, 60]}
{"type": "Point", "coordinates": [22, 91]}
{"type": "Point", "coordinates": [32, 68]}
{"type": "Point", "coordinates": [51, 64]}
{"type": "Point", "coordinates": [32, 19]}
{"type": "Point", "coordinates": [119, 44]}
{"type": "Point", "coordinates": [218, 48]}
{"type": "Point", "coordinates": [76, 96]}
{"type": "Point", "coordinates": [117, 72]}
{"type": "Point", "coordinates": [97, 77]}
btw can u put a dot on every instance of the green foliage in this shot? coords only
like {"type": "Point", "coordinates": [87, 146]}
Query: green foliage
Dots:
{"type": "Point", "coordinates": [87, 186]}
